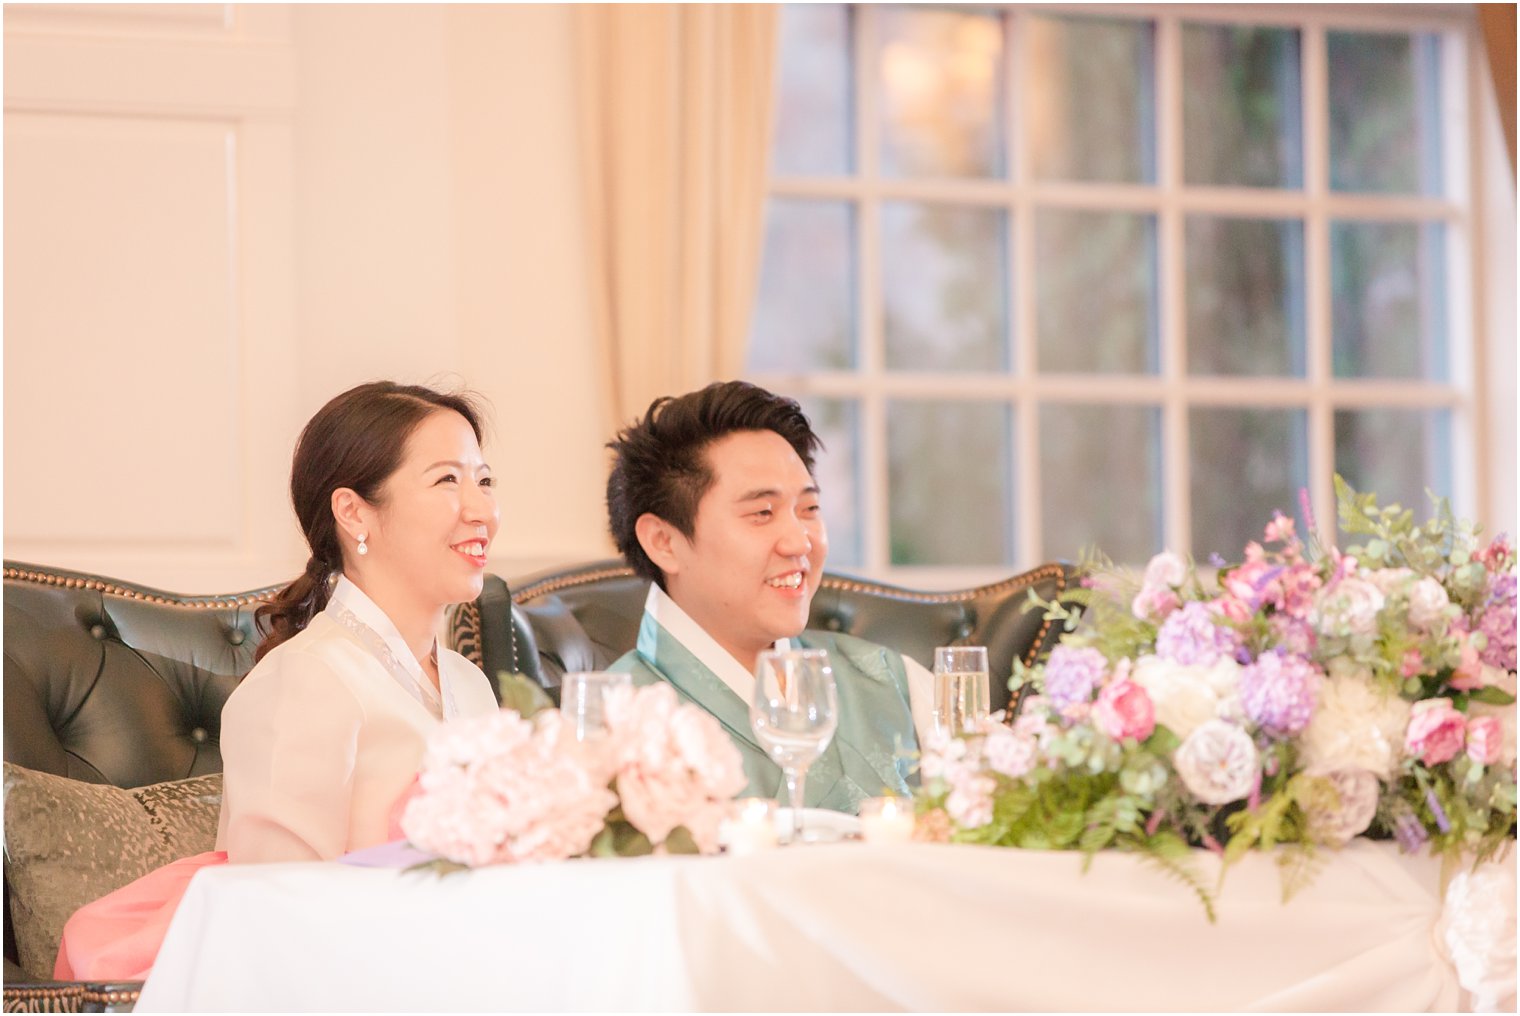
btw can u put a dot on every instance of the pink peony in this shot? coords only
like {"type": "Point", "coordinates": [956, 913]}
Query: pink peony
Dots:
{"type": "Point", "coordinates": [1124, 710]}
{"type": "Point", "coordinates": [1485, 739]}
{"type": "Point", "coordinates": [673, 764]}
{"type": "Point", "coordinates": [1436, 731]}
{"type": "Point", "coordinates": [496, 789]}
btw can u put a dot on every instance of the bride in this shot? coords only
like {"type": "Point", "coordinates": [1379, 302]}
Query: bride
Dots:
{"type": "Point", "coordinates": [322, 739]}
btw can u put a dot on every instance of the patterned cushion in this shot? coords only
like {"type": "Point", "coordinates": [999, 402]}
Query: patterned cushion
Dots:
{"type": "Point", "coordinates": [68, 843]}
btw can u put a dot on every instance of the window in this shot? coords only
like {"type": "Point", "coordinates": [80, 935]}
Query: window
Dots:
{"type": "Point", "coordinates": [1046, 278]}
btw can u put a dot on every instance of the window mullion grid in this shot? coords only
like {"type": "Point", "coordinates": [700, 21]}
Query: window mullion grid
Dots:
{"type": "Point", "coordinates": [1029, 525]}
{"type": "Point", "coordinates": [1318, 309]}
{"type": "Point", "coordinates": [1171, 265]}
{"type": "Point", "coordinates": [872, 420]}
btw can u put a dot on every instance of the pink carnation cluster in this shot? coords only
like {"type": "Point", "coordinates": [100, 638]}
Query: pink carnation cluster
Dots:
{"type": "Point", "coordinates": [500, 789]}
{"type": "Point", "coordinates": [672, 764]}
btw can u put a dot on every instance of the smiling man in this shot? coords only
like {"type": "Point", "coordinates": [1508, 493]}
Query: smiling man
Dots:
{"type": "Point", "coordinates": [712, 497]}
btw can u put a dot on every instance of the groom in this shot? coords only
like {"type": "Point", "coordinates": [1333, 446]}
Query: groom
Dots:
{"type": "Point", "coordinates": [712, 498]}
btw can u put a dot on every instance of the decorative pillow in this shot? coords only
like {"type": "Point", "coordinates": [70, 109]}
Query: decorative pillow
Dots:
{"type": "Point", "coordinates": [69, 843]}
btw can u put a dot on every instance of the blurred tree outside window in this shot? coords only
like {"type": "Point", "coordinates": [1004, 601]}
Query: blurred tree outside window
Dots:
{"type": "Point", "coordinates": [1048, 279]}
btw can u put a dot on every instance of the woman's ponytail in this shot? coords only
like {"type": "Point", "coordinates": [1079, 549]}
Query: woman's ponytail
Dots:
{"type": "Point", "coordinates": [293, 607]}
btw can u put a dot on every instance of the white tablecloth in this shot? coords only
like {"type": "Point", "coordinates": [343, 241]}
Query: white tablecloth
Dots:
{"type": "Point", "coordinates": [838, 927]}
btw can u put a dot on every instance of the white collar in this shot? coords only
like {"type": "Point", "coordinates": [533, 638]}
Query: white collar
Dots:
{"type": "Point", "coordinates": [396, 654]}
{"type": "Point", "coordinates": [691, 635]}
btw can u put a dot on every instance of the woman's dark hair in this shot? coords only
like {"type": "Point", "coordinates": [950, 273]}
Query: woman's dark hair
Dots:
{"type": "Point", "coordinates": [660, 463]}
{"type": "Point", "coordinates": [354, 441]}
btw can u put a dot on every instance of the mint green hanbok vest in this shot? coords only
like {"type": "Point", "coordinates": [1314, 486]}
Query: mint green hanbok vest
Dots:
{"type": "Point", "coordinates": [874, 750]}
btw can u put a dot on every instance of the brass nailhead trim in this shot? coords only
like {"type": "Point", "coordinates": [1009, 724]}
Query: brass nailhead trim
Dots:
{"type": "Point", "coordinates": [1005, 587]}
{"type": "Point", "coordinates": [112, 997]}
{"type": "Point", "coordinates": [550, 586]}
{"type": "Point", "coordinates": [111, 589]}
{"type": "Point", "coordinates": [39, 992]}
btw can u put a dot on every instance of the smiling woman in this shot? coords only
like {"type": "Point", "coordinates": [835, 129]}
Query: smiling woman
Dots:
{"type": "Point", "coordinates": [322, 740]}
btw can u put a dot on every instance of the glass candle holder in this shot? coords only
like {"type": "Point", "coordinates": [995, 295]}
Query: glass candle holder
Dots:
{"type": "Point", "coordinates": [886, 819]}
{"type": "Point", "coordinates": [750, 826]}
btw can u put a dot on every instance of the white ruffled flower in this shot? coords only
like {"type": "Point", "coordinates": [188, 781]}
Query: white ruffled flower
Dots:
{"type": "Point", "coordinates": [1356, 793]}
{"type": "Point", "coordinates": [1217, 762]}
{"type": "Point", "coordinates": [1349, 608]}
{"type": "Point", "coordinates": [1390, 581]}
{"type": "Point", "coordinates": [1427, 603]}
{"type": "Point", "coordinates": [1477, 927]}
{"type": "Point", "coordinates": [1188, 695]}
{"type": "Point", "coordinates": [1358, 724]}
{"type": "Point", "coordinates": [1166, 569]}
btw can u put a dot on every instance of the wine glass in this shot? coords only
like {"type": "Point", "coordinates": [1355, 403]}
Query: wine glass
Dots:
{"type": "Point", "coordinates": [794, 712]}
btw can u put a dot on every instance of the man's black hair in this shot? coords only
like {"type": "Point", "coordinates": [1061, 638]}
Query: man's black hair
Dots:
{"type": "Point", "coordinates": [660, 463]}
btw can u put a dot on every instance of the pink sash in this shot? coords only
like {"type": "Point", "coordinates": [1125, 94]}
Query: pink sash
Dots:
{"type": "Point", "coordinates": [116, 938]}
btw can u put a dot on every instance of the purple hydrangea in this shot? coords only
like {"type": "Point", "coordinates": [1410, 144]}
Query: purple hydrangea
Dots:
{"type": "Point", "coordinates": [1191, 636]}
{"type": "Point", "coordinates": [1072, 674]}
{"type": "Point", "coordinates": [1278, 692]}
{"type": "Point", "coordinates": [1498, 623]}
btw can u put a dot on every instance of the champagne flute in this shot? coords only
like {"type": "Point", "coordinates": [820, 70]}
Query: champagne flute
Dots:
{"type": "Point", "coordinates": [794, 712]}
{"type": "Point", "coordinates": [962, 691]}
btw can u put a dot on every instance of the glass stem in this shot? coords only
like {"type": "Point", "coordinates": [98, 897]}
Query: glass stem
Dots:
{"type": "Point", "coordinates": [796, 782]}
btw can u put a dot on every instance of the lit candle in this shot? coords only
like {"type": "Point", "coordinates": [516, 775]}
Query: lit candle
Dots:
{"type": "Point", "coordinates": [886, 819]}
{"type": "Point", "coordinates": [751, 826]}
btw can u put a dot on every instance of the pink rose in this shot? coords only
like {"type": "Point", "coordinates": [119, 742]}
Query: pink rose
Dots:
{"type": "Point", "coordinates": [1468, 674]}
{"type": "Point", "coordinates": [1485, 740]}
{"type": "Point", "coordinates": [1436, 731]}
{"type": "Point", "coordinates": [1124, 710]}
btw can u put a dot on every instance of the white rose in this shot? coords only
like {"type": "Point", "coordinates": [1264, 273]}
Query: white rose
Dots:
{"type": "Point", "coordinates": [1185, 696]}
{"type": "Point", "coordinates": [1349, 608]}
{"type": "Point", "coordinates": [1356, 792]}
{"type": "Point", "coordinates": [1166, 569]}
{"type": "Point", "coordinates": [1357, 724]}
{"type": "Point", "coordinates": [1427, 603]}
{"type": "Point", "coordinates": [1389, 580]}
{"type": "Point", "coordinates": [1217, 763]}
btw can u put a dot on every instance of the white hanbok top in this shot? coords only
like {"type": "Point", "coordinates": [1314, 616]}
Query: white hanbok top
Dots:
{"type": "Point", "coordinates": [326, 733]}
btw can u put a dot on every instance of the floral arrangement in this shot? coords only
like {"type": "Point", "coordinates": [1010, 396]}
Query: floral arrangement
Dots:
{"type": "Point", "coordinates": [1297, 699]}
{"type": "Point", "coordinates": [511, 787]}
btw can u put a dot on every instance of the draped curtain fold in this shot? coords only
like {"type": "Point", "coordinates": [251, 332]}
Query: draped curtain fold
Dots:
{"type": "Point", "coordinates": [676, 104]}
{"type": "Point", "coordinates": [1497, 23]}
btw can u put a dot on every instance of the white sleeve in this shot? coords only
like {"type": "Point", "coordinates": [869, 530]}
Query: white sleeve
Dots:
{"type": "Point", "coordinates": [920, 697]}
{"type": "Point", "coordinates": [290, 736]}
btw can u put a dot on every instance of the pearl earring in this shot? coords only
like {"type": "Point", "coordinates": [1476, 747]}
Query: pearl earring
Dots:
{"type": "Point", "coordinates": [363, 548]}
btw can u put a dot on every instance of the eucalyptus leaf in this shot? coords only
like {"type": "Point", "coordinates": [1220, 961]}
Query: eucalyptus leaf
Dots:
{"type": "Point", "coordinates": [521, 694]}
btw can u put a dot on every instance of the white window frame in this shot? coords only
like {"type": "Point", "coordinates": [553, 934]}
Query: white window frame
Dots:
{"type": "Point", "coordinates": [1172, 389]}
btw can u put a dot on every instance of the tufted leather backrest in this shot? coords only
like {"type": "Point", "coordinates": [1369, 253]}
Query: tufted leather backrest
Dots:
{"type": "Point", "coordinates": [110, 682]}
{"type": "Point", "coordinates": [584, 618]}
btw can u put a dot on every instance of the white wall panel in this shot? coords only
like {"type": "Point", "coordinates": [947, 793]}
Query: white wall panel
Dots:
{"type": "Point", "coordinates": [149, 309]}
{"type": "Point", "coordinates": [120, 288]}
